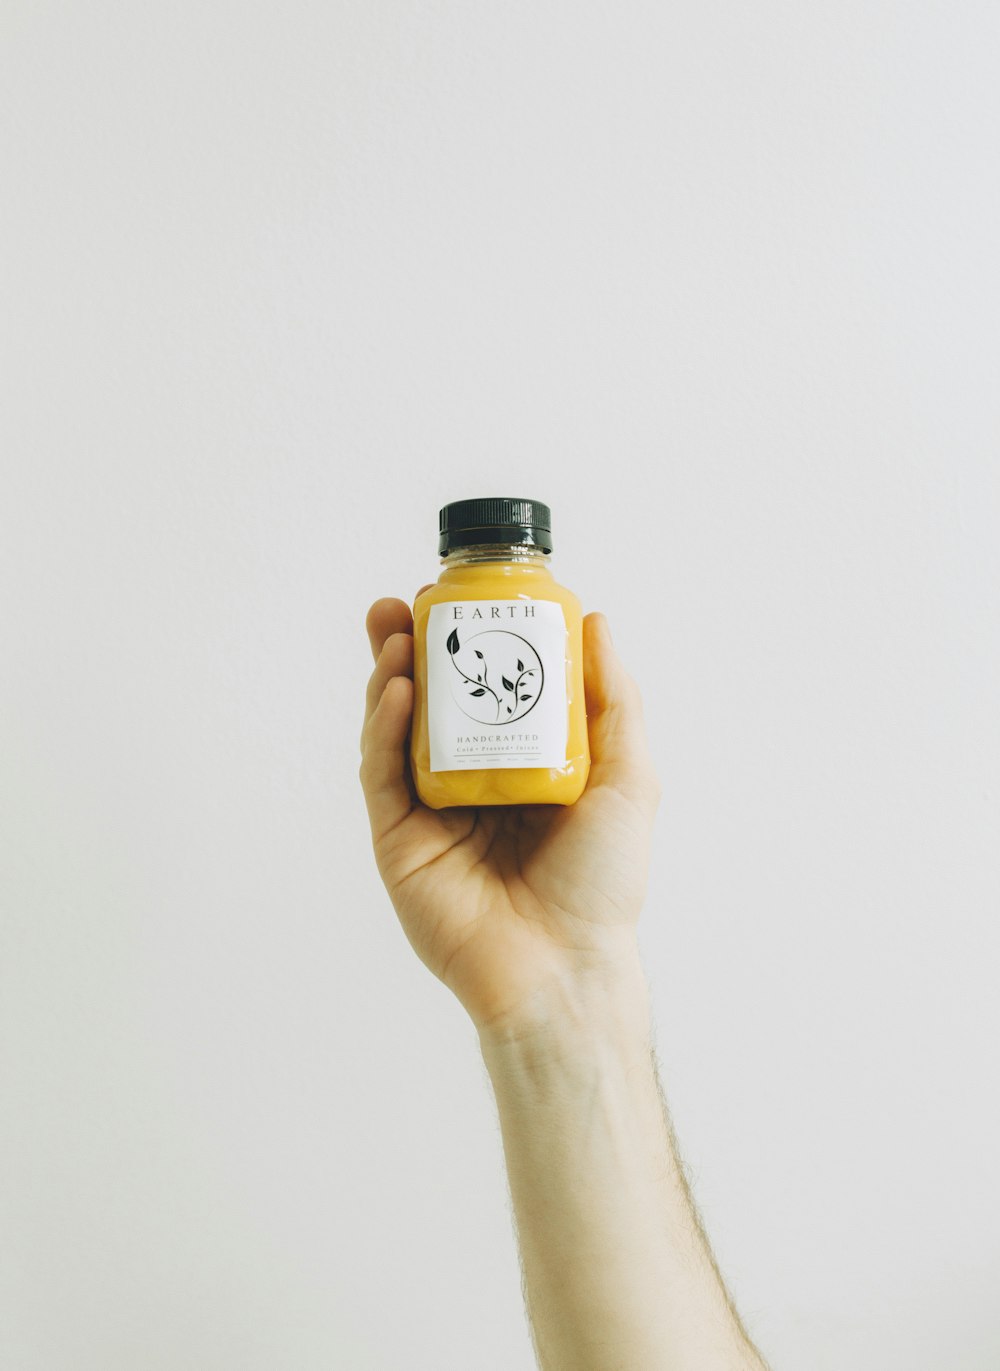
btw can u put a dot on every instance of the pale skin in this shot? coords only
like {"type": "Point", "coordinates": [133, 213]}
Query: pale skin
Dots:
{"type": "Point", "coordinates": [528, 914]}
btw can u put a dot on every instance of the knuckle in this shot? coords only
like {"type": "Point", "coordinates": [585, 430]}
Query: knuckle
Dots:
{"type": "Point", "coordinates": [630, 693]}
{"type": "Point", "coordinates": [397, 644]}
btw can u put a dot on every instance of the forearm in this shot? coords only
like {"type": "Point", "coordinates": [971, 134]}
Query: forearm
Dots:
{"type": "Point", "coordinates": [618, 1273]}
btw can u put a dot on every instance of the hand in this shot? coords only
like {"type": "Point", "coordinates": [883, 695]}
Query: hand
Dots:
{"type": "Point", "coordinates": [509, 905]}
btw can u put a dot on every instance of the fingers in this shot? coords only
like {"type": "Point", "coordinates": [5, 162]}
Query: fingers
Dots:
{"type": "Point", "coordinates": [387, 616]}
{"type": "Point", "coordinates": [395, 659]}
{"type": "Point", "coordinates": [384, 771]}
{"type": "Point", "coordinates": [619, 752]}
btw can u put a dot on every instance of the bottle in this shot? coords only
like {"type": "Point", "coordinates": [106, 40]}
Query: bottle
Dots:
{"type": "Point", "coordinates": [499, 716]}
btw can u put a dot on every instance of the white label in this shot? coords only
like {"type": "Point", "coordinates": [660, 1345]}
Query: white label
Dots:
{"type": "Point", "coordinates": [496, 684]}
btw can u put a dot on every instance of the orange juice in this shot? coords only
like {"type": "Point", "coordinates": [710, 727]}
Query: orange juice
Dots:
{"type": "Point", "coordinates": [499, 716]}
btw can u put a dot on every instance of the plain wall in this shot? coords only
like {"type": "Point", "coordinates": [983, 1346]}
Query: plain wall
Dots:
{"type": "Point", "coordinates": [718, 282]}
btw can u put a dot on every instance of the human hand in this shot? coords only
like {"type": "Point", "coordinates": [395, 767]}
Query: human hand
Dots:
{"type": "Point", "coordinates": [512, 905]}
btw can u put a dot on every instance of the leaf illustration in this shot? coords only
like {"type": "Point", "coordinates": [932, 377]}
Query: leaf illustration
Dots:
{"type": "Point", "coordinates": [452, 644]}
{"type": "Point", "coordinates": [520, 664]}
{"type": "Point", "coordinates": [525, 695]}
{"type": "Point", "coordinates": [509, 710]}
{"type": "Point", "coordinates": [479, 677]}
{"type": "Point", "coordinates": [478, 653]}
{"type": "Point", "coordinates": [480, 691]}
{"type": "Point", "coordinates": [507, 685]}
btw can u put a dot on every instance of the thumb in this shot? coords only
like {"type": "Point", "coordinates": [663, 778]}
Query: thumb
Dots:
{"type": "Point", "coordinates": [619, 752]}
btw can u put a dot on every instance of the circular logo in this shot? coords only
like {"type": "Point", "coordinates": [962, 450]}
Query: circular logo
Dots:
{"type": "Point", "coordinates": [496, 677]}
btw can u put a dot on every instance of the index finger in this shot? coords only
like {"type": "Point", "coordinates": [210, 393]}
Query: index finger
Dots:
{"type": "Point", "coordinates": [386, 617]}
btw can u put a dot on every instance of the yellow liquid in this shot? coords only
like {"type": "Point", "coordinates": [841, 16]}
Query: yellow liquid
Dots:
{"type": "Point", "coordinates": [501, 580]}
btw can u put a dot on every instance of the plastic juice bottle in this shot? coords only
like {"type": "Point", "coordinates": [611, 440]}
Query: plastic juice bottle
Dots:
{"type": "Point", "coordinates": [499, 716]}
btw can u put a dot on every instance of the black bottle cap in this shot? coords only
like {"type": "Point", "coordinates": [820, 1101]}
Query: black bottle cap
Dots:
{"type": "Point", "coordinates": [470, 523]}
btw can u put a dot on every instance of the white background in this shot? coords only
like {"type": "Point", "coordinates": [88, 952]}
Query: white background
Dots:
{"type": "Point", "coordinates": [718, 282]}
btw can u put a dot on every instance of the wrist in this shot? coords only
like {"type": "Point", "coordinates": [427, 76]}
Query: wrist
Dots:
{"type": "Point", "coordinates": [576, 1016]}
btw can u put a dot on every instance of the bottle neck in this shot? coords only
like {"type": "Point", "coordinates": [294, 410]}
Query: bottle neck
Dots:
{"type": "Point", "coordinates": [497, 554]}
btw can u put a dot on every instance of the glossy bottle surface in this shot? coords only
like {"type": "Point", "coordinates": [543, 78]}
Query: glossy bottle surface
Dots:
{"type": "Point", "coordinates": [513, 578]}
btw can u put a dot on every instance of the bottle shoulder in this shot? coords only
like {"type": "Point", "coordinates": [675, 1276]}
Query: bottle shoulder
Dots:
{"type": "Point", "coordinates": [453, 586]}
